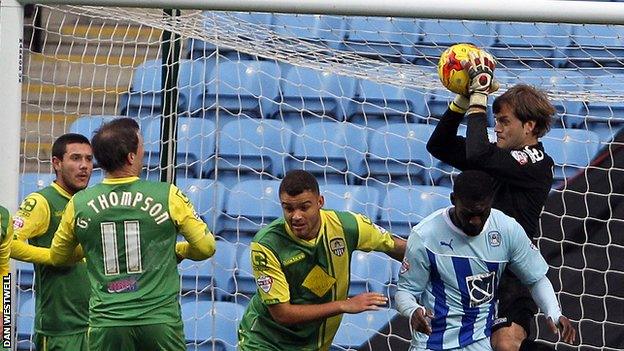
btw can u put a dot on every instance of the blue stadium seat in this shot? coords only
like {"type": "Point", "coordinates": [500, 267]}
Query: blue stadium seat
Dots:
{"type": "Point", "coordinates": [531, 44]}
{"type": "Point", "coordinates": [25, 332]}
{"type": "Point", "coordinates": [31, 182]}
{"type": "Point", "coordinates": [354, 198]}
{"type": "Point", "coordinates": [321, 30]}
{"type": "Point", "coordinates": [25, 274]}
{"type": "Point", "coordinates": [603, 117]}
{"type": "Point", "coordinates": [207, 196]}
{"type": "Point", "coordinates": [250, 205]}
{"type": "Point", "coordinates": [596, 45]}
{"type": "Point", "coordinates": [357, 329]}
{"type": "Point", "coordinates": [145, 95]}
{"type": "Point", "coordinates": [558, 80]}
{"type": "Point", "coordinates": [312, 94]}
{"type": "Point", "coordinates": [195, 152]}
{"type": "Point", "coordinates": [387, 38]}
{"type": "Point", "coordinates": [245, 281]}
{"type": "Point", "coordinates": [378, 104]}
{"type": "Point", "coordinates": [244, 23]}
{"type": "Point", "coordinates": [88, 124]}
{"type": "Point", "coordinates": [253, 148]}
{"type": "Point", "coordinates": [439, 34]}
{"type": "Point", "coordinates": [329, 149]}
{"type": "Point", "coordinates": [207, 322]}
{"type": "Point", "coordinates": [398, 155]}
{"type": "Point", "coordinates": [571, 149]}
{"type": "Point", "coordinates": [242, 88]}
{"type": "Point", "coordinates": [370, 272]}
{"type": "Point", "coordinates": [201, 279]}
{"type": "Point", "coordinates": [403, 208]}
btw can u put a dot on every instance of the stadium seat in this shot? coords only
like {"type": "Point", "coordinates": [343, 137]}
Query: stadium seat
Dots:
{"type": "Point", "coordinates": [354, 198]}
{"type": "Point", "coordinates": [596, 45]}
{"type": "Point", "coordinates": [195, 150]}
{"type": "Point", "coordinates": [31, 182]}
{"type": "Point", "coordinates": [403, 208]}
{"type": "Point", "coordinates": [357, 329]}
{"type": "Point", "coordinates": [312, 94]}
{"type": "Point", "coordinates": [25, 274]}
{"type": "Point", "coordinates": [208, 324]}
{"type": "Point", "coordinates": [253, 148]}
{"type": "Point", "coordinates": [531, 44]}
{"type": "Point", "coordinates": [201, 279]}
{"type": "Point", "coordinates": [245, 281]}
{"type": "Point", "coordinates": [207, 196]}
{"type": "Point", "coordinates": [386, 38]}
{"type": "Point", "coordinates": [145, 95]}
{"type": "Point", "coordinates": [245, 25]}
{"type": "Point", "coordinates": [571, 149]}
{"type": "Point", "coordinates": [330, 150]}
{"type": "Point", "coordinates": [318, 30]}
{"type": "Point", "coordinates": [88, 124]}
{"type": "Point", "coordinates": [398, 155]}
{"type": "Point", "coordinates": [250, 205]}
{"type": "Point", "coordinates": [237, 88]}
{"type": "Point", "coordinates": [25, 332]}
{"type": "Point", "coordinates": [558, 80]}
{"type": "Point", "coordinates": [378, 104]}
{"type": "Point", "coordinates": [439, 34]}
{"type": "Point", "coordinates": [604, 117]}
{"type": "Point", "coordinates": [370, 272]}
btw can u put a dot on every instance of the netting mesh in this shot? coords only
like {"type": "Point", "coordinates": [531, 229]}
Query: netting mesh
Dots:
{"type": "Point", "coordinates": [351, 99]}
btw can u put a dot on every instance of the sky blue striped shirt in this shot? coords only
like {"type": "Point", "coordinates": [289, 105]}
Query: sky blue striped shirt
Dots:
{"type": "Point", "coordinates": [456, 276]}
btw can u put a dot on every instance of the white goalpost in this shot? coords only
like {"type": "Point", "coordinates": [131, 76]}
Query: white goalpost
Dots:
{"type": "Point", "coordinates": [347, 90]}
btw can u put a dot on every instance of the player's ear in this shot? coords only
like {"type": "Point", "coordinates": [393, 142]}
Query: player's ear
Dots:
{"type": "Point", "coordinates": [321, 201]}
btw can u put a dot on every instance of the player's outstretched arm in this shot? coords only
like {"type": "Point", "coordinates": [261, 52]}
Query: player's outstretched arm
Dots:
{"type": "Point", "coordinates": [544, 295]}
{"type": "Point", "coordinates": [200, 243]}
{"type": "Point", "coordinates": [289, 314]}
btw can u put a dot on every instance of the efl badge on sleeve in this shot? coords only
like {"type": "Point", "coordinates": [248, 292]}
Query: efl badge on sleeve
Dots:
{"type": "Point", "coordinates": [265, 283]}
{"type": "Point", "coordinates": [494, 238]}
{"type": "Point", "coordinates": [337, 246]}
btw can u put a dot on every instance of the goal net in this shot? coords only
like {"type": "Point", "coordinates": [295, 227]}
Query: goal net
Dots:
{"type": "Point", "coordinates": [351, 99]}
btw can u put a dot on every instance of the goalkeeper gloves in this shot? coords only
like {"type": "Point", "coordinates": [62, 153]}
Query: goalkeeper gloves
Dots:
{"type": "Point", "coordinates": [480, 67]}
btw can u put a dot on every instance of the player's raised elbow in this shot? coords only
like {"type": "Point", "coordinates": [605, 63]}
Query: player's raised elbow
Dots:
{"type": "Point", "coordinates": [434, 148]}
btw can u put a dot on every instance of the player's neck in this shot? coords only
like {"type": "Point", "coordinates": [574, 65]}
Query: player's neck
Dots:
{"type": "Point", "coordinates": [124, 172]}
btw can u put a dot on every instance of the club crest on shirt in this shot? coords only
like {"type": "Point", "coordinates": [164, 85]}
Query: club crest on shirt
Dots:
{"type": "Point", "coordinates": [265, 283]}
{"type": "Point", "coordinates": [405, 266]}
{"type": "Point", "coordinates": [520, 156]}
{"type": "Point", "coordinates": [337, 246]}
{"type": "Point", "coordinates": [534, 247]}
{"type": "Point", "coordinates": [494, 238]}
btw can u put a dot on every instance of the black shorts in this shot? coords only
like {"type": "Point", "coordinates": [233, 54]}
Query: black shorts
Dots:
{"type": "Point", "coordinates": [515, 304]}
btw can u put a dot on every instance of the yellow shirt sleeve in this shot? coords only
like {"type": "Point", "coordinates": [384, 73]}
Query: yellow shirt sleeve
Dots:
{"type": "Point", "coordinates": [65, 241]}
{"type": "Point", "coordinates": [5, 248]}
{"type": "Point", "coordinates": [372, 237]}
{"type": "Point", "coordinates": [31, 220]}
{"type": "Point", "coordinates": [271, 281]}
{"type": "Point", "coordinates": [200, 243]}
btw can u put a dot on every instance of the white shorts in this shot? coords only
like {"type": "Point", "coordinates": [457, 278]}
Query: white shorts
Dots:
{"type": "Point", "coordinates": [481, 345]}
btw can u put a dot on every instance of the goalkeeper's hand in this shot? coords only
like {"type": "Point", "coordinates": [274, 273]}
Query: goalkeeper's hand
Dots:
{"type": "Point", "coordinates": [480, 67]}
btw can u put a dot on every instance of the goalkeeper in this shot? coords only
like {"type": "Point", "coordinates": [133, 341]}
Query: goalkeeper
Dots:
{"type": "Point", "coordinates": [521, 169]}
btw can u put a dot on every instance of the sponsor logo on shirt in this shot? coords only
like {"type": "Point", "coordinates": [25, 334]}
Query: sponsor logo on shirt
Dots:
{"type": "Point", "coordinates": [480, 288]}
{"type": "Point", "coordinates": [494, 238]}
{"type": "Point", "coordinates": [265, 283]}
{"type": "Point", "coordinates": [120, 286]}
{"type": "Point", "coordinates": [405, 266]}
{"type": "Point", "coordinates": [337, 246]}
{"type": "Point", "coordinates": [18, 222]}
{"type": "Point", "coordinates": [528, 153]}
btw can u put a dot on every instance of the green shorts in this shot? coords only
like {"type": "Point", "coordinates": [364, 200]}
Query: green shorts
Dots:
{"type": "Point", "coordinates": [153, 337]}
{"type": "Point", "coordinates": [76, 342]}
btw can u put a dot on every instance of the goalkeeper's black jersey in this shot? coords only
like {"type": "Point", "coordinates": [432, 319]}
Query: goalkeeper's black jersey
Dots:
{"type": "Point", "coordinates": [523, 178]}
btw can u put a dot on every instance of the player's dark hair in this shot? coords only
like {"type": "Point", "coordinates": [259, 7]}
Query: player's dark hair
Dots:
{"type": "Point", "coordinates": [528, 104]}
{"type": "Point", "coordinates": [114, 141]}
{"type": "Point", "coordinates": [473, 186]}
{"type": "Point", "coordinates": [297, 181]}
{"type": "Point", "coordinates": [59, 147]}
